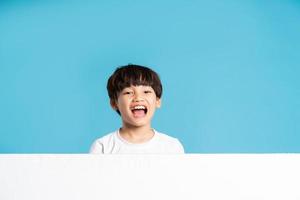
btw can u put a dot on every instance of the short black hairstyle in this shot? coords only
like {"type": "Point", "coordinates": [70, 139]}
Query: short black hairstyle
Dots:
{"type": "Point", "coordinates": [125, 76]}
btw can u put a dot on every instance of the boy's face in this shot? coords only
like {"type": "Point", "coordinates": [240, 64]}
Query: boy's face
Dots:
{"type": "Point", "coordinates": [137, 105]}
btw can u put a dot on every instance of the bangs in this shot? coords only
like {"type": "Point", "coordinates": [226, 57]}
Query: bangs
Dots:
{"type": "Point", "coordinates": [135, 78]}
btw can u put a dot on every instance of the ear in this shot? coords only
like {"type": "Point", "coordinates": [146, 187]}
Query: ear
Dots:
{"type": "Point", "coordinates": [113, 104]}
{"type": "Point", "coordinates": [158, 102]}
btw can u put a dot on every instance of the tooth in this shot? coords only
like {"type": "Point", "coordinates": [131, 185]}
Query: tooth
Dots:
{"type": "Point", "coordinates": [139, 107]}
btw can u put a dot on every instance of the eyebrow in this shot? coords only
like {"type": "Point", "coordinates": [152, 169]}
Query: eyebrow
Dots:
{"type": "Point", "coordinates": [127, 89]}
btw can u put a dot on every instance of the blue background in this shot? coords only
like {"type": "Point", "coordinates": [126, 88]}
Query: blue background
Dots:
{"type": "Point", "coordinates": [230, 71]}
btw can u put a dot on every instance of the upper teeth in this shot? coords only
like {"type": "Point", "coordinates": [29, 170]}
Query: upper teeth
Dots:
{"type": "Point", "coordinates": [139, 107]}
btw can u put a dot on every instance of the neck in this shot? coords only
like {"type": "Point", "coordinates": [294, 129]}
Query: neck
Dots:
{"type": "Point", "coordinates": [136, 134]}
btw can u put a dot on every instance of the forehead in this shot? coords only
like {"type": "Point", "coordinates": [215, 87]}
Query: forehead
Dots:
{"type": "Point", "coordinates": [132, 87]}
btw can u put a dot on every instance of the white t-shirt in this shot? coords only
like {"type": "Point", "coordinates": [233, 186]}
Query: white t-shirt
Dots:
{"type": "Point", "coordinates": [160, 143]}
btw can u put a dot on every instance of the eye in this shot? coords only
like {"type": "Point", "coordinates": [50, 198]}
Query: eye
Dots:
{"type": "Point", "coordinates": [127, 93]}
{"type": "Point", "coordinates": [147, 91]}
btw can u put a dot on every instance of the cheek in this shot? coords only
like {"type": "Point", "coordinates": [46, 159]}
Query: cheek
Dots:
{"type": "Point", "coordinates": [122, 104]}
{"type": "Point", "coordinates": [155, 103]}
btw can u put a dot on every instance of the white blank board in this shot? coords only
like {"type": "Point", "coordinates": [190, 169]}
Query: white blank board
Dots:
{"type": "Point", "coordinates": [189, 176]}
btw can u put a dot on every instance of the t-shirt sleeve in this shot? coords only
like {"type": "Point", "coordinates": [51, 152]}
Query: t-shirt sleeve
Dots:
{"type": "Point", "coordinates": [97, 148]}
{"type": "Point", "coordinates": [179, 147]}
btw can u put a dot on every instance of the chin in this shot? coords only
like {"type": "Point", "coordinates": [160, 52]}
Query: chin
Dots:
{"type": "Point", "coordinates": [138, 124]}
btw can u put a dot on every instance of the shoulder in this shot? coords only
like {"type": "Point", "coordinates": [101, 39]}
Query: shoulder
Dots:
{"type": "Point", "coordinates": [101, 143]}
{"type": "Point", "coordinates": [173, 143]}
{"type": "Point", "coordinates": [165, 137]}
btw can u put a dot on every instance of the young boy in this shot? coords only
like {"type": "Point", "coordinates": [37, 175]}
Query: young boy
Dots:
{"type": "Point", "coordinates": [135, 92]}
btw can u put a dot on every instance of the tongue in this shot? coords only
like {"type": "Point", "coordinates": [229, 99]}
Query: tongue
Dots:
{"type": "Point", "coordinates": [138, 113]}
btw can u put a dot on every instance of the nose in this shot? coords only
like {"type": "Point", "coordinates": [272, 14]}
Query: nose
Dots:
{"type": "Point", "coordinates": [138, 97]}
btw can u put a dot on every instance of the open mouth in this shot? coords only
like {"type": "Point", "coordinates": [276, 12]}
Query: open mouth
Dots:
{"type": "Point", "coordinates": [139, 111]}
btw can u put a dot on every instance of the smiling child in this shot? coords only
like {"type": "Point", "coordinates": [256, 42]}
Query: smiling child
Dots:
{"type": "Point", "coordinates": [135, 93]}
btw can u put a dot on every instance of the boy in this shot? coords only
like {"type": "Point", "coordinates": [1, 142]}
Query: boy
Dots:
{"type": "Point", "coordinates": [135, 92]}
